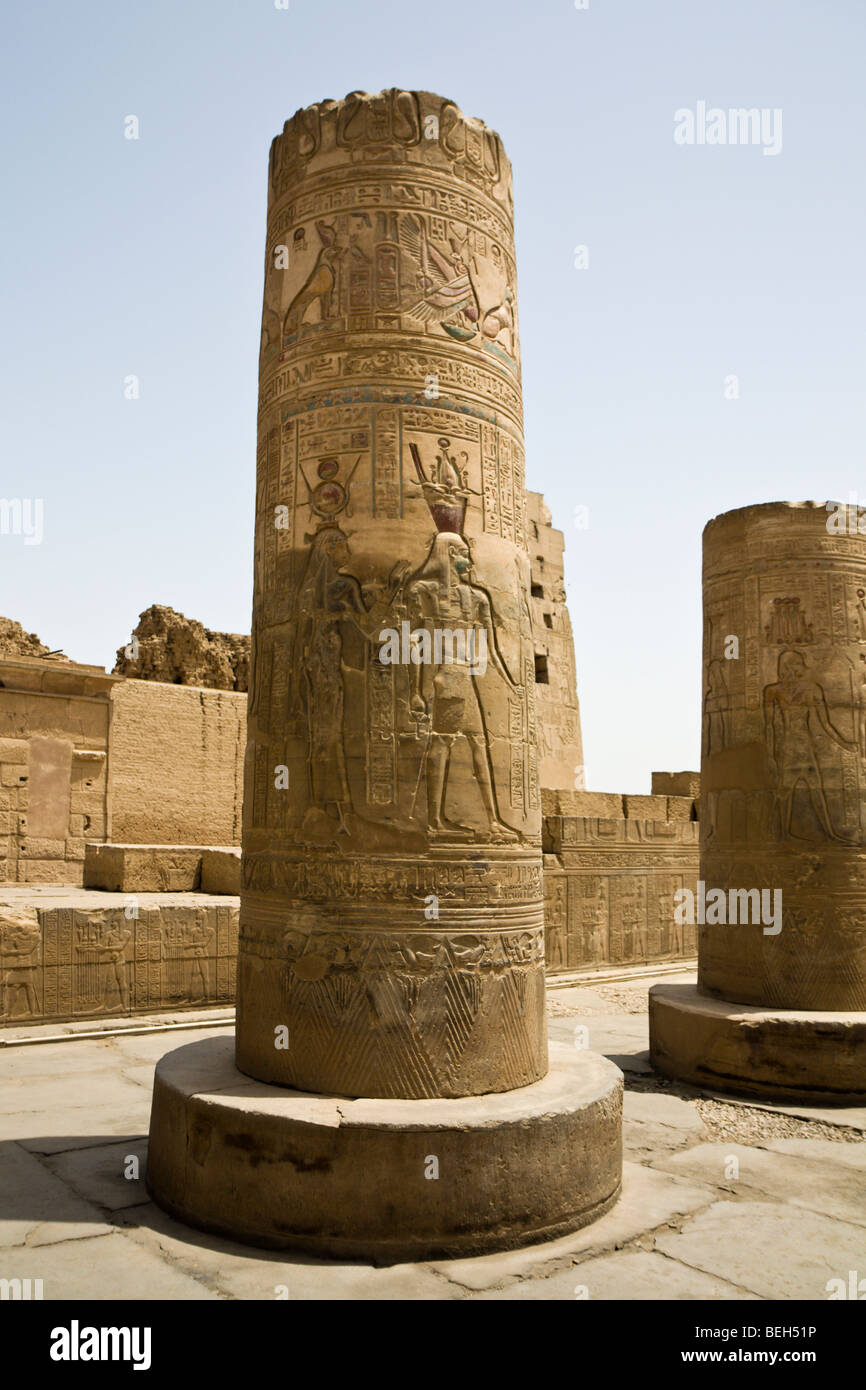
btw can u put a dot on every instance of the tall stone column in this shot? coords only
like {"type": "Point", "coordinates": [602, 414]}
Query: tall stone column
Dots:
{"type": "Point", "coordinates": [391, 961]}
{"type": "Point", "coordinates": [391, 907]}
{"type": "Point", "coordinates": [783, 835]}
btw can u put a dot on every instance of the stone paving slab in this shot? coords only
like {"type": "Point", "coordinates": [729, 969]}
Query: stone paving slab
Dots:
{"type": "Point", "coordinates": [51, 1061]}
{"type": "Point", "coordinates": [36, 1208]}
{"type": "Point", "coordinates": [48, 1096]}
{"type": "Point", "coordinates": [604, 1032]}
{"type": "Point", "coordinates": [776, 1251]}
{"type": "Point", "coordinates": [627, 1275]}
{"type": "Point", "coordinates": [794, 1179]}
{"type": "Point", "coordinates": [99, 1173]}
{"type": "Point", "coordinates": [654, 1124]}
{"type": "Point", "coordinates": [143, 1047]}
{"type": "Point", "coordinates": [644, 1206]}
{"type": "Point", "coordinates": [794, 1220]}
{"type": "Point", "coordinates": [88, 1127]}
{"type": "Point", "coordinates": [232, 1270]}
{"type": "Point", "coordinates": [105, 1267]}
{"type": "Point", "coordinates": [849, 1155]}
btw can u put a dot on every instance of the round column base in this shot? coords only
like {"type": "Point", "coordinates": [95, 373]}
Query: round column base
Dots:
{"type": "Point", "coordinates": [385, 1180]}
{"type": "Point", "coordinates": [775, 1054]}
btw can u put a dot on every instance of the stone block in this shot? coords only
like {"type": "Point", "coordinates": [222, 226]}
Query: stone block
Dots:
{"type": "Point", "coordinates": [645, 807]}
{"type": "Point", "coordinates": [583, 803]}
{"type": "Point", "coordinates": [221, 871]}
{"type": "Point", "coordinates": [14, 750]}
{"type": "Point", "coordinates": [142, 868]}
{"type": "Point", "coordinates": [49, 871]}
{"type": "Point", "coordinates": [33, 848]}
{"type": "Point", "coordinates": [686, 784]}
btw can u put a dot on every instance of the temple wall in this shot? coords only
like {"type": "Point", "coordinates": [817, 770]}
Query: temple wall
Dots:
{"type": "Point", "coordinates": [176, 764]}
{"type": "Point", "coordinates": [54, 728]}
{"type": "Point", "coordinates": [612, 864]}
{"type": "Point", "coordinates": [87, 757]}
{"type": "Point", "coordinates": [109, 955]}
{"type": "Point", "coordinates": [560, 747]}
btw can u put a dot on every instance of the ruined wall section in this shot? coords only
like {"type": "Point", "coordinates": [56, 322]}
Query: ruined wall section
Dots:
{"type": "Point", "coordinates": [168, 647]}
{"type": "Point", "coordinates": [14, 641]}
{"type": "Point", "coordinates": [560, 746]}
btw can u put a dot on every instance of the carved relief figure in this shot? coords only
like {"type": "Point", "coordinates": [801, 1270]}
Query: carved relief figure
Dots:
{"type": "Point", "coordinates": [449, 282]}
{"type": "Point", "coordinates": [498, 323]}
{"type": "Point", "coordinates": [716, 733]}
{"type": "Point", "coordinates": [593, 922]}
{"type": "Point", "coordinates": [184, 950]}
{"type": "Point", "coordinates": [716, 702]}
{"type": "Point", "coordinates": [448, 295]}
{"type": "Point", "coordinates": [555, 922]}
{"type": "Point", "coordinates": [326, 598]}
{"type": "Point", "coordinates": [102, 984]}
{"type": "Point", "coordinates": [318, 288]}
{"type": "Point", "coordinates": [19, 996]}
{"type": "Point", "coordinates": [441, 594]}
{"type": "Point", "coordinates": [795, 707]}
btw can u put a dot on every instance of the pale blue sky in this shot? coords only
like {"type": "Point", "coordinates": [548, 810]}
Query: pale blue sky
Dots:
{"type": "Point", "coordinates": [146, 257]}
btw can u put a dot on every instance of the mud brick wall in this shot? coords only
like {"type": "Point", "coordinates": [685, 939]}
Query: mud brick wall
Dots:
{"type": "Point", "coordinates": [59, 962]}
{"type": "Point", "coordinates": [612, 865]}
{"type": "Point", "coordinates": [176, 764]}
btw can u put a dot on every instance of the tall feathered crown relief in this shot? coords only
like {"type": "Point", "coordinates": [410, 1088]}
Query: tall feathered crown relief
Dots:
{"type": "Point", "coordinates": [445, 491]}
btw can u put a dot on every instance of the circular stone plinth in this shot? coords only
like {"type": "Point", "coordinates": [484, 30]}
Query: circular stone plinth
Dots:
{"type": "Point", "coordinates": [384, 1179]}
{"type": "Point", "coordinates": [777, 1054]}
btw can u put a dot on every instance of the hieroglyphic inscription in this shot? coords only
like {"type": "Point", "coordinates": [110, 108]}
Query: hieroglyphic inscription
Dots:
{"type": "Point", "coordinates": [61, 963]}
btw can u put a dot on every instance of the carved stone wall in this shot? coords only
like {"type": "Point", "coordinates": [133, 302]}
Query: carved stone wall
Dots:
{"type": "Point", "coordinates": [85, 756]}
{"type": "Point", "coordinates": [784, 743]}
{"type": "Point", "coordinates": [54, 727]}
{"type": "Point", "coordinates": [611, 869]}
{"type": "Point", "coordinates": [391, 897]}
{"type": "Point", "coordinates": [94, 959]}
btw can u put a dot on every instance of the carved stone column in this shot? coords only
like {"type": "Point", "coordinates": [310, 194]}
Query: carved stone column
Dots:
{"type": "Point", "coordinates": [391, 968]}
{"type": "Point", "coordinates": [783, 836]}
{"type": "Point", "coordinates": [391, 913]}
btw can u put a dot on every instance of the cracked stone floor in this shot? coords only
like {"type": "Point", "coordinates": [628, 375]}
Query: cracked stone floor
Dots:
{"type": "Point", "coordinates": [721, 1199]}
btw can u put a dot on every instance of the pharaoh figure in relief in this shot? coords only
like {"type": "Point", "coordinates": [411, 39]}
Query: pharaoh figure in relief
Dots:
{"type": "Point", "coordinates": [783, 773]}
{"type": "Point", "coordinates": [391, 903]}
